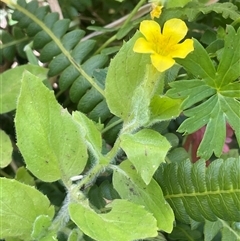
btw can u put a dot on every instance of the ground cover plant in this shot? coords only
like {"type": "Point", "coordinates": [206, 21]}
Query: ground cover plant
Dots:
{"type": "Point", "coordinates": [120, 120]}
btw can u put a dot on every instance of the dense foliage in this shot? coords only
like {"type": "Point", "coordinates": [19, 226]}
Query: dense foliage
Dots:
{"type": "Point", "coordinates": [120, 120]}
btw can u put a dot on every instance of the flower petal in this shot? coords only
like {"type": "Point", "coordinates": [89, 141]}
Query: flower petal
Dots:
{"type": "Point", "coordinates": [150, 29]}
{"type": "Point", "coordinates": [174, 30]}
{"type": "Point", "coordinates": [142, 46]}
{"type": "Point", "coordinates": [183, 49]}
{"type": "Point", "coordinates": [162, 63]}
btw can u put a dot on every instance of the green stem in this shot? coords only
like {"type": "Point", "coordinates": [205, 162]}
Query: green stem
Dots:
{"type": "Point", "coordinates": [129, 18]}
{"type": "Point", "coordinates": [131, 15]}
{"type": "Point", "coordinates": [15, 42]}
{"type": "Point", "coordinates": [64, 51]}
{"type": "Point", "coordinates": [106, 44]}
{"type": "Point", "coordinates": [111, 125]}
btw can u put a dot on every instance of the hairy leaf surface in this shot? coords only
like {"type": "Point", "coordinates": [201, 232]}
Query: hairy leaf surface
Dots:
{"type": "Point", "coordinates": [17, 217]}
{"type": "Point", "coordinates": [125, 221]}
{"type": "Point", "coordinates": [131, 187]}
{"type": "Point", "coordinates": [53, 147]}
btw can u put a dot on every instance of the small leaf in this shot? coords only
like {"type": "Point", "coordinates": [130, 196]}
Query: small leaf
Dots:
{"type": "Point", "coordinates": [10, 84]}
{"type": "Point", "coordinates": [24, 176]}
{"type": "Point", "coordinates": [20, 206]}
{"type": "Point", "coordinates": [40, 227]}
{"type": "Point", "coordinates": [47, 136]}
{"type": "Point", "coordinates": [5, 149]}
{"type": "Point", "coordinates": [164, 108]}
{"type": "Point", "coordinates": [146, 150]}
{"type": "Point", "coordinates": [201, 67]}
{"type": "Point", "coordinates": [126, 221]}
{"type": "Point", "coordinates": [130, 186]}
{"type": "Point", "coordinates": [89, 130]}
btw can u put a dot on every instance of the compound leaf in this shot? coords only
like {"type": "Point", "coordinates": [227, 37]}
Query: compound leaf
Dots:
{"type": "Point", "coordinates": [212, 100]}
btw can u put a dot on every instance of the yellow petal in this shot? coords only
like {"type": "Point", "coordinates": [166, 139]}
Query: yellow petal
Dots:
{"type": "Point", "coordinates": [162, 63]}
{"type": "Point", "coordinates": [142, 46]}
{"type": "Point", "coordinates": [183, 49]}
{"type": "Point", "coordinates": [150, 29]}
{"type": "Point", "coordinates": [174, 30]}
{"type": "Point", "coordinates": [156, 11]}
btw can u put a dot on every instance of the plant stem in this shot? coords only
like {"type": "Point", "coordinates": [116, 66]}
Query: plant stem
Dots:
{"type": "Point", "coordinates": [134, 11]}
{"type": "Point", "coordinates": [111, 125]}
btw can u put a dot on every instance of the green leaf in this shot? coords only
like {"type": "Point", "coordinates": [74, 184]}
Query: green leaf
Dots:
{"type": "Point", "coordinates": [130, 186]}
{"type": "Point", "coordinates": [40, 228]}
{"type": "Point", "coordinates": [47, 136]}
{"type": "Point", "coordinates": [125, 73]}
{"type": "Point", "coordinates": [146, 150]}
{"type": "Point", "coordinates": [5, 149]}
{"type": "Point", "coordinates": [20, 206]}
{"type": "Point", "coordinates": [89, 130]}
{"type": "Point", "coordinates": [10, 84]}
{"type": "Point", "coordinates": [214, 100]}
{"type": "Point", "coordinates": [164, 108]}
{"type": "Point", "coordinates": [176, 3]}
{"type": "Point", "coordinates": [24, 176]}
{"type": "Point", "coordinates": [228, 69]}
{"type": "Point", "coordinates": [199, 64]}
{"type": "Point", "coordinates": [75, 235]}
{"type": "Point", "coordinates": [211, 229]}
{"type": "Point", "coordinates": [125, 221]}
{"type": "Point", "coordinates": [199, 193]}
{"type": "Point", "coordinates": [184, 232]}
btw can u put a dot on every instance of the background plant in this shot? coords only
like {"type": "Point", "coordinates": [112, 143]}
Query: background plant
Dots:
{"type": "Point", "coordinates": [101, 140]}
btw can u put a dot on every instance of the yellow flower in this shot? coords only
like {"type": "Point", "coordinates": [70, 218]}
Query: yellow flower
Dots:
{"type": "Point", "coordinates": [156, 11]}
{"type": "Point", "coordinates": [163, 46]}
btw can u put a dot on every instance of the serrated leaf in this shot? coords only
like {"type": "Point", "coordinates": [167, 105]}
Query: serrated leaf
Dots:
{"type": "Point", "coordinates": [130, 186]}
{"type": "Point", "coordinates": [20, 206]}
{"type": "Point", "coordinates": [47, 136]}
{"type": "Point", "coordinates": [227, 9]}
{"type": "Point", "coordinates": [214, 98]}
{"type": "Point", "coordinates": [10, 84]}
{"type": "Point", "coordinates": [126, 221]}
{"type": "Point", "coordinates": [5, 149]}
{"type": "Point", "coordinates": [228, 69]}
{"type": "Point", "coordinates": [199, 64]}
{"type": "Point", "coordinates": [146, 150]}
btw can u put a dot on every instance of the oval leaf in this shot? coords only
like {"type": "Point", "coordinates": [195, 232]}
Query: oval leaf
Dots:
{"type": "Point", "coordinates": [126, 221]}
{"type": "Point", "coordinates": [10, 82]}
{"type": "Point", "coordinates": [20, 206]}
{"type": "Point", "coordinates": [130, 186]}
{"type": "Point", "coordinates": [47, 136]}
{"type": "Point", "coordinates": [6, 149]}
{"type": "Point", "coordinates": [146, 150]}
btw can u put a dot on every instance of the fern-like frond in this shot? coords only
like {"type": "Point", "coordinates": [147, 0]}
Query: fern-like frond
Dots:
{"type": "Point", "coordinates": [68, 58]}
{"type": "Point", "coordinates": [202, 193]}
